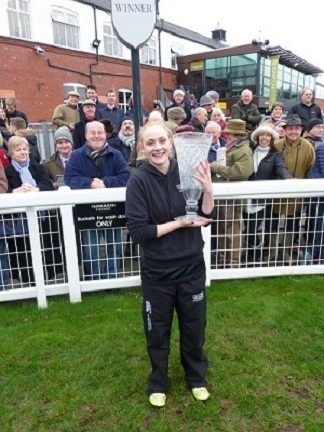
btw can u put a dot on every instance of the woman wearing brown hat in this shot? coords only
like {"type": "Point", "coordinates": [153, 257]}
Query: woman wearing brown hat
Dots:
{"type": "Point", "coordinates": [268, 164]}
{"type": "Point", "coordinates": [176, 115]}
{"type": "Point", "coordinates": [239, 167]}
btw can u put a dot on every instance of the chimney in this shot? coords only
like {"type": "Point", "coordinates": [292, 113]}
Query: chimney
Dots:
{"type": "Point", "coordinates": [219, 34]}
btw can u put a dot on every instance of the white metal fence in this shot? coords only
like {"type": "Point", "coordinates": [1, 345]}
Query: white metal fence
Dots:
{"type": "Point", "coordinates": [60, 256]}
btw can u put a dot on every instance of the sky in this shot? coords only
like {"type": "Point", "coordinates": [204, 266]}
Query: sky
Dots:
{"type": "Point", "coordinates": [284, 23]}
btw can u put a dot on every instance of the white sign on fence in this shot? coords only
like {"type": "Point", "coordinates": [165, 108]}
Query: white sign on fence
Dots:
{"type": "Point", "coordinates": [133, 21]}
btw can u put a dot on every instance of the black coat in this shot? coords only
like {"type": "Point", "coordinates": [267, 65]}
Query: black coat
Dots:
{"type": "Point", "coordinates": [118, 144]}
{"type": "Point", "coordinates": [272, 167]}
{"type": "Point", "coordinates": [17, 113]}
{"type": "Point", "coordinates": [79, 138]}
{"type": "Point", "coordinates": [306, 112]}
{"type": "Point", "coordinates": [38, 173]}
{"type": "Point", "coordinates": [33, 147]}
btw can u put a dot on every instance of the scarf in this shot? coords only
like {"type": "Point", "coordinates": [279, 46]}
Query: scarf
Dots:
{"type": "Point", "coordinates": [97, 155]}
{"type": "Point", "coordinates": [259, 154]}
{"type": "Point", "coordinates": [24, 173]}
{"type": "Point", "coordinates": [128, 141]}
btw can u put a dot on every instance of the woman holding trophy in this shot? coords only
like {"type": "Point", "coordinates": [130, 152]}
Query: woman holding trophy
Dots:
{"type": "Point", "coordinates": [172, 262]}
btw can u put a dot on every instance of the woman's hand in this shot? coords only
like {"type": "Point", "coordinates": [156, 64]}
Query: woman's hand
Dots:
{"type": "Point", "coordinates": [25, 187]}
{"type": "Point", "coordinates": [195, 223]}
{"type": "Point", "coordinates": [203, 175]}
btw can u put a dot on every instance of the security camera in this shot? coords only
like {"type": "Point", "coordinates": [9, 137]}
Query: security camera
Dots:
{"type": "Point", "coordinates": [39, 50]}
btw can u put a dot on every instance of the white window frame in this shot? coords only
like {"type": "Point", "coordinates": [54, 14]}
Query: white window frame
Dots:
{"type": "Point", "coordinates": [80, 88]}
{"type": "Point", "coordinates": [64, 24]}
{"type": "Point", "coordinates": [123, 96]}
{"type": "Point", "coordinates": [148, 54]}
{"type": "Point", "coordinates": [112, 45]}
{"type": "Point", "coordinates": [19, 19]}
{"type": "Point", "coordinates": [176, 50]}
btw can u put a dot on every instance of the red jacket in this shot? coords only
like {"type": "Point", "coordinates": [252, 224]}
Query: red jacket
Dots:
{"type": "Point", "coordinates": [4, 158]}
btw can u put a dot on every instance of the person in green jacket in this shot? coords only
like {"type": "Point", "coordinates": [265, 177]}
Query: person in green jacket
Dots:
{"type": "Point", "coordinates": [239, 167]}
{"type": "Point", "coordinates": [247, 111]}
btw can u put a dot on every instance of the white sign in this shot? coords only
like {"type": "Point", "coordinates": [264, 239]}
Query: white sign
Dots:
{"type": "Point", "coordinates": [133, 21]}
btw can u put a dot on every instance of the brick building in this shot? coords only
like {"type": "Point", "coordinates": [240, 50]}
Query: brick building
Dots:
{"type": "Point", "coordinates": [46, 49]}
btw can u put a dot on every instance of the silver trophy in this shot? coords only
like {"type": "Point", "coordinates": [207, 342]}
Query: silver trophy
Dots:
{"type": "Point", "coordinates": [191, 149]}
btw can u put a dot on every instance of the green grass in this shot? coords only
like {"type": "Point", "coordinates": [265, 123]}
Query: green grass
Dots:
{"type": "Point", "coordinates": [83, 367]}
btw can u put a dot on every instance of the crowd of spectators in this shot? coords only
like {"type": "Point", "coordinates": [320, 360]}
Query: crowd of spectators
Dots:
{"type": "Point", "coordinates": [95, 147]}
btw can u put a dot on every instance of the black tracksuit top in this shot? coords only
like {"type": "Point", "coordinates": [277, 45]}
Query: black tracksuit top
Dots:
{"type": "Point", "coordinates": [153, 198]}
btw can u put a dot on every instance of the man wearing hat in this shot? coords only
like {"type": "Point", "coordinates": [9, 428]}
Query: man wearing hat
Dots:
{"type": "Point", "coordinates": [314, 132]}
{"type": "Point", "coordinates": [239, 167]}
{"type": "Point", "coordinates": [178, 101]}
{"type": "Point", "coordinates": [67, 114]}
{"type": "Point", "coordinates": [247, 111]}
{"type": "Point", "coordinates": [176, 115]}
{"type": "Point", "coordinates": [207, 103]}
{"type": "Point", "coordinates": [299, 157]}
{"type": "Point", "coordinates": [55, 165]}
{"type": "Point", "coordinates": [214, 96]}
{"type": "Point", "coordinates": [125, 140]}
{"type": "Point", "coordinates": [306, 109]}
{"type": "Point", "coordinates": [89, 114]}
{"type": "Point", "coordinates": [93, 94]}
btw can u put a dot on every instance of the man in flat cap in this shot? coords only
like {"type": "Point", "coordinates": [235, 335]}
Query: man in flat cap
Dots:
{"type": "Point", "coordinates": [89, 115]}
{"type": "Point", "coordinates": [68, 114]}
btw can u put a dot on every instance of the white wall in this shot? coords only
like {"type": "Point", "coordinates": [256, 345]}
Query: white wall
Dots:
{"type": "Point", "coordinates": [42, 29]}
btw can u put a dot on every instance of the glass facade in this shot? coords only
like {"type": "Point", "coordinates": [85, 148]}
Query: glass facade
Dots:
{"type": "Point", "coordinates": [231, 74]}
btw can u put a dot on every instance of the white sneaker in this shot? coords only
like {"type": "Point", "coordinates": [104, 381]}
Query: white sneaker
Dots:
{"type": "Point", "coordinates": [200, 393]}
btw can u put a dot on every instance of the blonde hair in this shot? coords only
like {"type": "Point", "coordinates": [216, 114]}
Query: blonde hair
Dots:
{"type": "Point", "coordinates": [16, 141]}
{"type": "Point", "coordinates": [140, 139]}
{"type": "Point", "coordinates": [217, 110]}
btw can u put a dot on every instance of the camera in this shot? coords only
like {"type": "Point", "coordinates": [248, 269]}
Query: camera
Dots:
{"type": "Point", "coordinates": [39, 49]}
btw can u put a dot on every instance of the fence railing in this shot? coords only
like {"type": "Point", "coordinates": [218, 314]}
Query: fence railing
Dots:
{"type": "Point", "coordinates": [70, 249]}
{"type": "Point", "coordinates": [45, 138]}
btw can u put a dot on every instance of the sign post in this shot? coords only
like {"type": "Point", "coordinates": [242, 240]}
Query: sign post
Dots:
{"type": "Point", "coordinates": [134, 22]}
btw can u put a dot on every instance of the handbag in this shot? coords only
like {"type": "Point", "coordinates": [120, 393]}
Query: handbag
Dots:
{"type": "Point", "coordinates": [14, 226]}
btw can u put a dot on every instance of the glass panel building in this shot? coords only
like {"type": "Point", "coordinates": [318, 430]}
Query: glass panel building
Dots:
{"type": "Point", "coordinates": [271, 73]}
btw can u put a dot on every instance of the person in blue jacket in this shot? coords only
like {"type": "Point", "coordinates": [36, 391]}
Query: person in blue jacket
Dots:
{"type": "Point", "coordinates": [97, 166]}
{"type": "Point", "coordinates": [172, 262]}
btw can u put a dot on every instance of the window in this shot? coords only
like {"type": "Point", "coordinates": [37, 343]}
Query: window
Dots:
{"type": "Point", "coordinates": [65, 28]}
{"type": "Point", "coordinates": [176, 50]}
{"type": "Point", "coordinates": [80, 88]}
{"type": "Point", "coordinates": [148, 52]}
{"type": "Point", "coordinates": [123, 96]}
{"type": "Point", "coordinates": [19, 18]}
{"type": "Point", "coordinates": [112, 46]}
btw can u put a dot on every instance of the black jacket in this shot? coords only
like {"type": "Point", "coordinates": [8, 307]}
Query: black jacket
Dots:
{"type": "Point", "coordinates": [119, 145]}
{"type": "Point", "coordinates": [17, 113]}
{"type": "Point", "coordinates": [79, 133]}
{"type": "Point", "coordinates": [272, 167]}
{"type": "Point", "coordinates": [195, 123]}
{"type": "Point", "coordinates": [33, 147]}
{"type": "Point", "coordinates": [153, 198]}
{"type": "Point", "coordinates": [306, 112]}
{"type": "Point", "coordinates": [38, 173]}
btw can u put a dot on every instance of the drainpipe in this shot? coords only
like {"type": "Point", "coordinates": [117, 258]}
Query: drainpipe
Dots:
{"type": "Point", "coordinates": [160, 57]}
{"type": "Point", "coordinates": [96, 47]}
